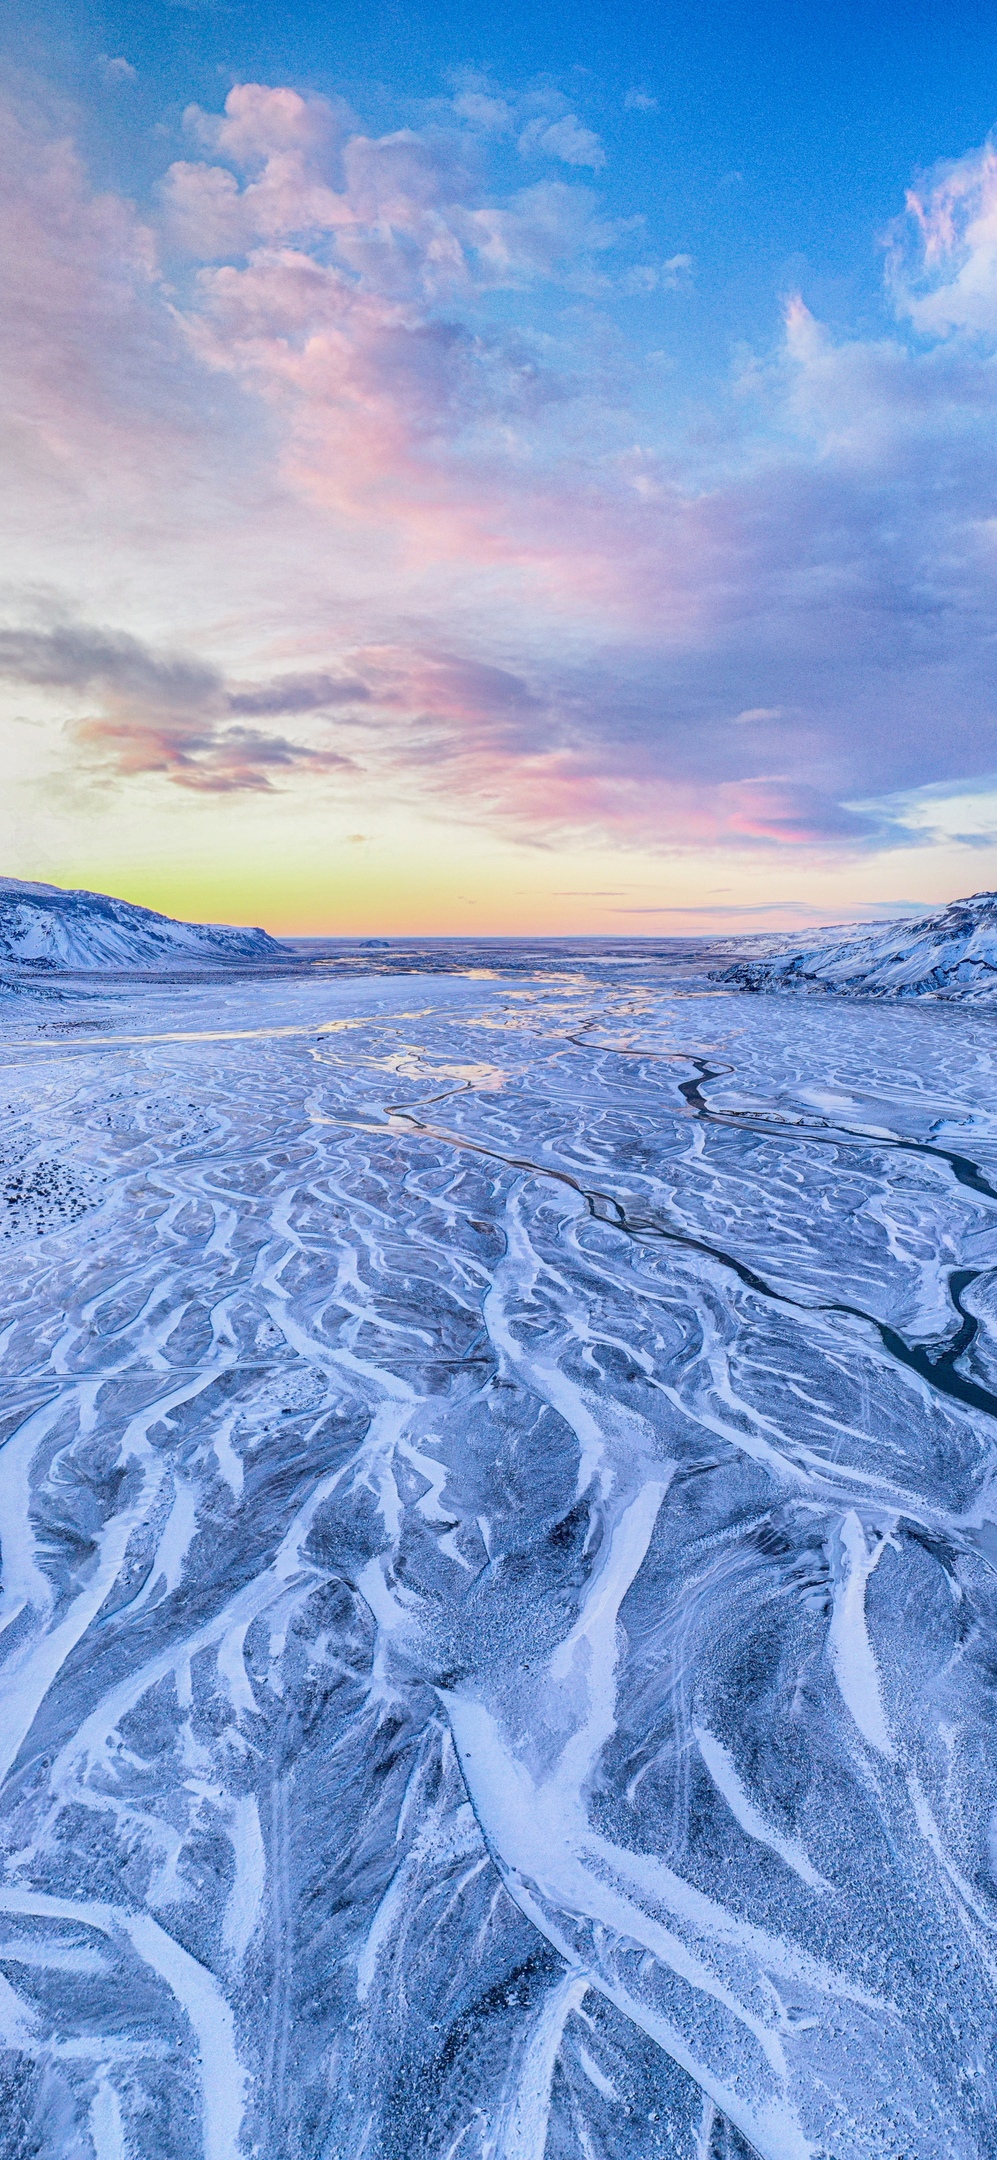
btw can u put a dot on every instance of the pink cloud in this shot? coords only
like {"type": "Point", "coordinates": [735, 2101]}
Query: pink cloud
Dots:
{"type": "Point", "coordinates": [527, 755]}
{"type": "Point", "coordinates": [103, 403]}
{"type": "Point", "coordinates": [943, 259]}
{"type": "Point", "coordinates": [290, 148]}
{"type": "Point", "coordinates": [406, 210]}
{"type": "Point", "coordinates": [205, 760]}
{"type": "Point", "coordinates": [260, 123]}
{"type": "Point", "coordinates": [172, 716]}
{"type": "Point", "coordinates": [566, 619]}
{"type": "Point", "coordinates": [206, 211]}
{"type": "Point", "coordinates": [77, 272]}
{"type": "Point", "coordinates": [329, 308]}
{"type": "Point", "coordinates": [365, 384]}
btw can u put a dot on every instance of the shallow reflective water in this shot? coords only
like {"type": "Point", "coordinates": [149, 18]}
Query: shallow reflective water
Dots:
{"type": "Point", "coordinates": [499, 1522]}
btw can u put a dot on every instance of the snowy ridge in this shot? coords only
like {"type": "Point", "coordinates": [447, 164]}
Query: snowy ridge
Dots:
{"type": "Point", "coordinates": [46, 927]}
{"type": "Point", "coordinates": [949, 955]}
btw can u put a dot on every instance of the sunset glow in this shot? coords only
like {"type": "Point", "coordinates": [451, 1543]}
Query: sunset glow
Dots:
{"type": "Point", "coordinates": [428, 509]}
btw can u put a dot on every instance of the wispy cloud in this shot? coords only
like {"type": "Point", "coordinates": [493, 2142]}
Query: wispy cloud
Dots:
{"type": "Point", "coordinates": [116, 69]}
{"type": "Point", "coordinates": [564, 138]}
{"type": "Point", "coordinates": [543, 121]}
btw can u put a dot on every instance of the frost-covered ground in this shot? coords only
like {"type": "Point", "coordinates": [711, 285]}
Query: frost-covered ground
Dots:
{"type": "Point", "coordinates": [499, 1517]}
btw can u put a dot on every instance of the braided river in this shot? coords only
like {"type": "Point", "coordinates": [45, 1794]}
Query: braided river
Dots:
{"type": "Point", "coordinates": [498, 1501]}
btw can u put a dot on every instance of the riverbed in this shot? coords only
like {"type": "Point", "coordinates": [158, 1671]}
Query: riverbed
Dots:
{"type": "Point", "coordinates": [498, 1502]}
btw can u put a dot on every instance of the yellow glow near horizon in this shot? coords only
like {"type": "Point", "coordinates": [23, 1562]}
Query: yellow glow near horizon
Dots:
{"type": "Point", "coordinates": [466, 885]}
{"type": "Point", "coordinates": [354, 864]}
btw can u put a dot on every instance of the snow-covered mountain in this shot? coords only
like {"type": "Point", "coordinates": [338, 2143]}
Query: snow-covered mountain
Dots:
{"type": "Point", "coordinates": [949, 955]}
{"type": "Point", "coordinates": [43, 927]}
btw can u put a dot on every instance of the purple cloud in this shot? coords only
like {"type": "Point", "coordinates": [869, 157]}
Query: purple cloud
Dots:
{"type": "Point", "coordinates": [170, 715]}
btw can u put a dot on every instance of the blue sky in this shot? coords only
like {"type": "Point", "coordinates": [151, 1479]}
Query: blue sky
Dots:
{"type": "Point", "coordinates": [524, 468]}
{"type": "Point", "coordinates": [779, 145]}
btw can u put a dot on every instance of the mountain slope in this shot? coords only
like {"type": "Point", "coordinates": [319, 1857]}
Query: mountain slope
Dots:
{"type": "Point", "coordinates": [44, 928]}
{"type": "Point", "coordinates": [949, 955]}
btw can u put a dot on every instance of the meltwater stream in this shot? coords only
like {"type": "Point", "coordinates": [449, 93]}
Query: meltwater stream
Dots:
{"type": "Point", "coordinates": [498, 1641]}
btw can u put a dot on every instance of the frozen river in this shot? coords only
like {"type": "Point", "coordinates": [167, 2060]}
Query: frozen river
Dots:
{"type": "Point", "coordinates": [499, 1516]}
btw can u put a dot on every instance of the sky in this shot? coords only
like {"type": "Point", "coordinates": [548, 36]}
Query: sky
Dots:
{"type": "Point", "coordinates": [500, 471]}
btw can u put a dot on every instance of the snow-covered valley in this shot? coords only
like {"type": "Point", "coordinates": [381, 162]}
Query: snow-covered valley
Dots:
{"type": "Point", "coordinates": [498, 1501]}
